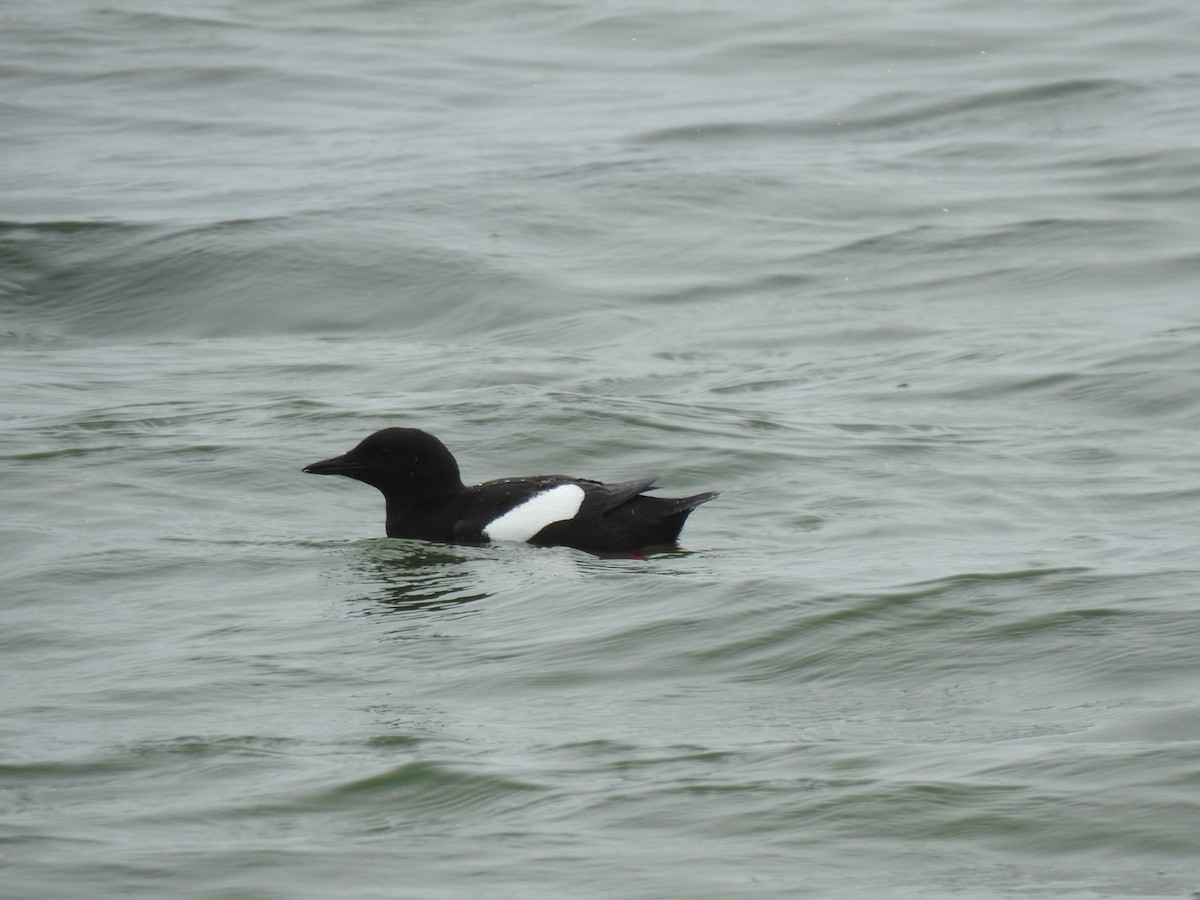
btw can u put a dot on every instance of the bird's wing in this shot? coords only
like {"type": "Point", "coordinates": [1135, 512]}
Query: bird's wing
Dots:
{"type": "Point", "coordinates": [503, 495]}
{"type": "Point", "coordinates": [605, 498]}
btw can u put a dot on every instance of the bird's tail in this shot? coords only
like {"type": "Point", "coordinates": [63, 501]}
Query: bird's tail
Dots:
{"type": "Point", "coordinates": [687, 504]}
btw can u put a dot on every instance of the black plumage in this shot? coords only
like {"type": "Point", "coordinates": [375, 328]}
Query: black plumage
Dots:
{"type": "Point", "coordinates": [427, 500]}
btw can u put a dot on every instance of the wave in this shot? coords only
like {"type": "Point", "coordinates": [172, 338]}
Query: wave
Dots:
{"type": "Point", "coordinates": [244, 277]}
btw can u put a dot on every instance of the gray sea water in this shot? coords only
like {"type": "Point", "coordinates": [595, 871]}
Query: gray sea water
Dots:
{"type": "Point", "coordinates": [915, 286]}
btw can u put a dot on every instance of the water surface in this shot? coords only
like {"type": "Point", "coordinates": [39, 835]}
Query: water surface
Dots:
{"type": "Point", "coordinates": [914, 288]}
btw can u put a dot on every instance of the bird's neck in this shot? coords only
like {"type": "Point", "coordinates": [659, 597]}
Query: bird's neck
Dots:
{"type": "Point", "coordinates": [414, 506]}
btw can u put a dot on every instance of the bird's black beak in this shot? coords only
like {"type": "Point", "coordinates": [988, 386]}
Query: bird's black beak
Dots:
{"type": "Point", "coordinates": [345, 464]}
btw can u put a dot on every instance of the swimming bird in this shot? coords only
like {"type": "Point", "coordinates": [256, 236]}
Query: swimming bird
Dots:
{"type": "Point", "coordinates": [427, 500]}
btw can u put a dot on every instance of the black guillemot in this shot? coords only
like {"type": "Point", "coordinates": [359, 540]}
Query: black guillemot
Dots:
{"type": "Point", "coordinates": [427, 500]}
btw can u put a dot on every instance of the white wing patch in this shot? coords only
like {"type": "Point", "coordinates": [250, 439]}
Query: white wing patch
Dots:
{"type": "Point", "coordinates": [522, 522]}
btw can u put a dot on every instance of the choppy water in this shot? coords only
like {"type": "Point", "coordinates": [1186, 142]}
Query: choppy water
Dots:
{"type": "Point", "coordinates": [914, 286]}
